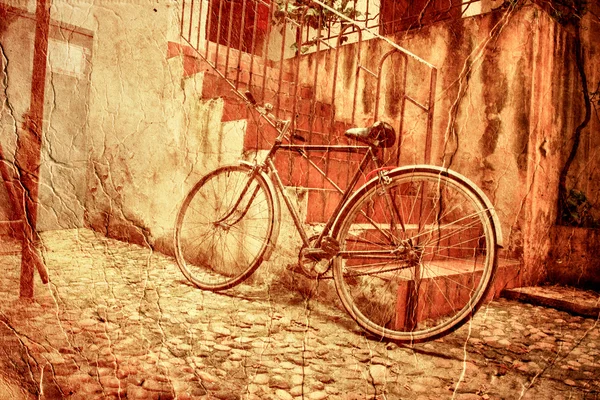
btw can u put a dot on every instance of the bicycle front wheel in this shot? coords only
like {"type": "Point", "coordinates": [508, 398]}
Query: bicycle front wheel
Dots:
{"type": "Point", "coordinates": [224, 228]}
{"type": "Point", "coordinates": [417, 255]}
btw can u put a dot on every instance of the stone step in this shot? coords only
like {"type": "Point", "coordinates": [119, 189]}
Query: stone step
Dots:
{"type": "Point", "coordinates": [312, 119]}
{"type": "Point", "coordinates": [237, 66]}
{"type": "Point", "coordinates": [575, 301]}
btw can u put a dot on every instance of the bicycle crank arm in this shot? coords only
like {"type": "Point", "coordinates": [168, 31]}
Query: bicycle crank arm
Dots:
{"type": "Point", "coordinates": [315, 253]}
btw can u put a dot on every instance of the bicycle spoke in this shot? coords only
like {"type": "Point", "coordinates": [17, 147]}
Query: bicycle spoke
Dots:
{"type": "Point", "coordinates": [465, 227]}
{"type": "Point", "coordinates": [439, 259]}
{"type": "Point", "coordinates": [224, 227]}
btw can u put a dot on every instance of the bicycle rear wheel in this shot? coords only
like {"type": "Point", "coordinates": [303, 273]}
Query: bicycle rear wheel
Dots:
{"type": "Point", "coordinates": [224, 228]}
{"type": "Point", "coordinates": [417, 255]}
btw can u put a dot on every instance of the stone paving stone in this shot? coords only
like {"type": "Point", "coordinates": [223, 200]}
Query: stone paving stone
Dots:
{"type": "Point", "coordinates": [120, 320]}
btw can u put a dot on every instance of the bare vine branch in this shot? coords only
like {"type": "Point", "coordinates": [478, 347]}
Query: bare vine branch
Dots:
{"type": "Point", "coordinates": [571, 12]}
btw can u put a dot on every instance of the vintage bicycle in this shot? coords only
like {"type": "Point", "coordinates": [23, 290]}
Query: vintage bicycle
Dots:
{"type": "Point", "coordinates": [412, 251]}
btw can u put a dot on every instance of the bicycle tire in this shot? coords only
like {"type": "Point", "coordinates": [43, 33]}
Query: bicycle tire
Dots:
{"type": "Point", "coordinates": [452, 235]}
{"type": "Point", "coordinates": [224, 227]}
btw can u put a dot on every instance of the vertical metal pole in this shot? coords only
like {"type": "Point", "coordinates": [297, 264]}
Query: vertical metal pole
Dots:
{"type": "Point", "coordinates": [265, 50]}
{"type": "Point", "coordinates": [217, 42]}
{"type": "Point", "coordinates": [29, 145]}
{"type": "Point", "coordinates": [229, 46]}
{"type": "Point", "coordinates": [238, 68]}
{"type": "Point", "coordinates": [402, 109]}
{"type": "Point", "coordinates": [191, 20]}
{"type": "Point", "coordinates": [182, 18]}
{"type": "Point", "coordinates": [313, 100]}
{"type": "Point", "coordinates": [357, 75]}
{"type": "Point", "coordinates": [209, 18]}
{"type": "Point", "coordinates": [430, 108]}
{"type": "Point", "coordinates": [296, 79]}
{"type": "Point", "coordinates": [281, 58]}
{"type": "Point", "coordinates": [199, 33]}
{"type": "Point", "coordinates": [254, 10]}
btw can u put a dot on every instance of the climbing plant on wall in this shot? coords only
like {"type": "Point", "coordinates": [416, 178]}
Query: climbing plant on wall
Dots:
{"type": "Point", "coordinates": [312, 15]}
{"type": "Point", "coordinates": [573, 205]}
{"type": "Point", "coordinates": [566, 11]}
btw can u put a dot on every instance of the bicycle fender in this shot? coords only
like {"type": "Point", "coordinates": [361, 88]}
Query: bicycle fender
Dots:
{"type": "Point", "coordinates": [276, 211]}
{"type": "Point", "coordinates": [442, 171]}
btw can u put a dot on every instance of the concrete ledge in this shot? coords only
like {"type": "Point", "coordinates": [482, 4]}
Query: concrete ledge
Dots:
{"type": "Point", "coordinates": [508, 275]}
{"type": "Point", "coordinates": [574, 301]}
{"type": "Point", "coordinates": [323, 290]}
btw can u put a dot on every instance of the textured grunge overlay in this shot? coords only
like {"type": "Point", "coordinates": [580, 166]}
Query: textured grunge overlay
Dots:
{"type": "Point", "coordinates": [112, 112]}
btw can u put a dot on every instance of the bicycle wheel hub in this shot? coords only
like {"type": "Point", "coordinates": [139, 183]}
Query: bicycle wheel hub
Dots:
{"type": "Point", "coordinates": [222, 225]}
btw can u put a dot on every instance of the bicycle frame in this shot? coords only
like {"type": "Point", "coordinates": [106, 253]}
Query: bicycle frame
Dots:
{"type": "Point", "coordinates": [268, 166]}
{"type": "Point", "coordinates": [369, 156]}
{"type": "Point", "coordinates": [428, 219]}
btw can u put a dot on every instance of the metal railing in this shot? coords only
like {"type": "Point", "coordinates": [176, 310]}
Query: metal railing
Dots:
{"type": "Point", "coordinates": [392, 16]}
{"type": "Point", "coordinates": [271, 47]}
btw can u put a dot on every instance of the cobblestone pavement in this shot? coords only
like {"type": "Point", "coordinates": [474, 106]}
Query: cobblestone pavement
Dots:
{"type": "Point", "coordinates": [118, 321]}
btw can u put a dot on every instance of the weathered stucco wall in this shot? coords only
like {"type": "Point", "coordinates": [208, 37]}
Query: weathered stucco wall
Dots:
{"type": "Point", "coordinates": [556, 108]}
{"type": "Point", "coordinates": [150, 135]}
{"type": "Point", "coordinates": [15, 85]}
{"type": "Point", "coordinates": [585, 172]}
{"type": "Point", "coordinates": [134, 133]}
{"type": "Point", "coordinates": [507, 102]}
{"type": "Point", "coordinates": [63, 162]}
{"type": "Point", "coordinates": [506, 105]}
{"type": "Point", "coordinates": [575, 257]}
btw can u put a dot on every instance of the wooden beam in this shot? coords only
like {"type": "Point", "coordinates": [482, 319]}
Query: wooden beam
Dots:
{"type": "Point", "coordinates": [28, 155]}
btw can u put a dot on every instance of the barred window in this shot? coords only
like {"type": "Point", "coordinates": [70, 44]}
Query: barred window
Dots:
{"type": "Point", "coordinates": [239, 24]}
{"type": "Point", "coordinates": [402, 15]}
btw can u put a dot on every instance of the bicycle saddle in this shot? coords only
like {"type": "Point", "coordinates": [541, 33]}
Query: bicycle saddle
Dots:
{"type": "Point", "coordinates": [380, 134]}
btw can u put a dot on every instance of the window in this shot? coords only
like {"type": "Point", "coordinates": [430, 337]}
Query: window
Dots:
{"type": "Point", "coordinates": [402, 15]}
{"type": "Point", "coordinates": [240, 24]}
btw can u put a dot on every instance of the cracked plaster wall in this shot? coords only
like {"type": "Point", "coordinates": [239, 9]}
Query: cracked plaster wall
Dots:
{"type": "Point", "coordinates": [63, 161]}
{"type": "Point", "coordinates": [16, 51]}
{"type": "Point", "coordinates": [575, 252]}
{"type": "Point", "coordinates": [150, 137]}
{"type": "Point", "coordinates": [585, 173]}
{"type": "Point", "coordinates": [508, 99]}
{"type": "Point", "coordinates": [552, 118]}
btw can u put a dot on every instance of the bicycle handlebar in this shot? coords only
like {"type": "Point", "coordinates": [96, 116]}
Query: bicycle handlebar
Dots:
{"type": "Point", "coordinates": [250, 97]}
{"type": "Point", "coordinates": [265, 110]}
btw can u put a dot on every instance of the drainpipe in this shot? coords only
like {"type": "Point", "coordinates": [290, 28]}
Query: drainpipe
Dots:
{"type": "Point", "coordinates": [28, 153]}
